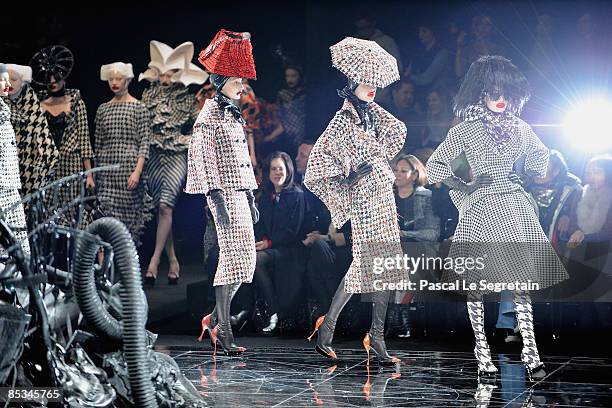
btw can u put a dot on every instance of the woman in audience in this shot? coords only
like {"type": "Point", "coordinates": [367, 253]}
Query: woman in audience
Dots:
{"type": "Point", "coordinates": [279, 272]}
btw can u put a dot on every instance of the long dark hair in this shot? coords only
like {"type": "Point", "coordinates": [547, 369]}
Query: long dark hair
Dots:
{"type": "Point", "coordinates": [493, 74]}
{"type": "Point", "coordinates": [267, 184]}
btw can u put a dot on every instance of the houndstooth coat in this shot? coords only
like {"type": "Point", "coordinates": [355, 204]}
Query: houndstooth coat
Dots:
{"type": "Point", "coordinates": [74, 148]}
{"type": "Point", "coordinates": [497, 222]}
{"type": "Point", "coordinates": [10, 201]}
{"type": "Point", "coordinates": [370, 204]}
{"type": "Point", "coordinates": [218, 158]}
{"type": "Point", "coordinates": [36, 149]}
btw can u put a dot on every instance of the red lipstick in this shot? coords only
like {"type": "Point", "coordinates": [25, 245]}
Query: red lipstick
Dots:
{"type": "Point", "coordinates": [371, 94]}
{"type": "Point", "coordinates": [7, 89]}
{"type": "Point", "coordinates": [500, 105]}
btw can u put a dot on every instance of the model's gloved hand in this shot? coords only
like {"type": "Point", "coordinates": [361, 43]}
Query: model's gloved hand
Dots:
{"type": "Point", "coordinates": [360, 172]}
{"type": "Point", "coordinates": [217, 199]}
{"type": "Point", "coordinates": [254, 210]}
{"type": "Point", "coordinates": [482, 180]}
{"type": "Point", "coordinates": [515, 178]}
{"type": "Point", "coordinates": [521, 178]}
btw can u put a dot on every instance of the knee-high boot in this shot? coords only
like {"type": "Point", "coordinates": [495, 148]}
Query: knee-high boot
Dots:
{"type": "Point", "coordinates": [326, 325]}
{"type": "Point", "coordinates": [375, 339]}
{"type": "Point", "coordinates": [524, 318]}
{"type": "Point", "coordinates": [481, 351]}
{"type": "Point", "coordinates": [224, 335]}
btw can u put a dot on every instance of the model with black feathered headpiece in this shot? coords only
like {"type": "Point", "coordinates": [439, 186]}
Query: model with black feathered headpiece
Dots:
{"type": "Point", "coordinates": [494, 211]}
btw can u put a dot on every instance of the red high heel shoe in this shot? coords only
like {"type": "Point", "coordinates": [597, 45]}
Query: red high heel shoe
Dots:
{"type": "Point", "coordinates": [206, 327]}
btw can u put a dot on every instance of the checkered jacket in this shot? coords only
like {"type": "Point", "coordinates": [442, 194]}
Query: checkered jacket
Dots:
{"type": "Point", "coordinates": [218, 155]}
{"type": "Point", "coordinates": [342, 147]}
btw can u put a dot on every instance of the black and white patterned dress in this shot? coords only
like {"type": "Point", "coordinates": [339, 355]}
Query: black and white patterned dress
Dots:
{"type": "Point", "coordinates": [173, 114]}
{"type": "Point", "coordinates": [122, 136]}
{"type": "Point", "coordinates": [37, 153]}
{"type": "Point", "coordinates": [71, 129]}
{"type": "Point", "coordinates": [10, 201]}
{"type": "Point", "coordinates": [497, 222]}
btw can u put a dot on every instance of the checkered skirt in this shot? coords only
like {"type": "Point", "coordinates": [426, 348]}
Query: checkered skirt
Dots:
{"type": "Point", "coordinates": [236, 241]}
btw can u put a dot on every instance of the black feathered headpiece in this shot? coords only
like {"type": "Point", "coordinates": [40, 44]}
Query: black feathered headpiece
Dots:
{"type": "Point", "coordinates": [493, 75]}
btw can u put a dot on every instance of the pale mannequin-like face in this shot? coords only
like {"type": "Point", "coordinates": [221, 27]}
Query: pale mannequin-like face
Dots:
{"type": "Point", "coordinates": [118, 83]}
{"type": "Point", "coordinates": [5, 84]}
{"type": "Point", "coordinates": [301, 160]}
{"type": "Point", "coordinates": [233, 88]}
{"type": "Point", "coordinates": [498, 105]}
{"type": "Point", "coordinates": [16, 82]}
{"type": "Point", "coordinates": [366, 93]}
{"type": "Point", "coordinates": [405, 174]}
{"type": "Point", "coordinates": [278, 173]}
{"type": "Point", "coordinates": [165, 79]}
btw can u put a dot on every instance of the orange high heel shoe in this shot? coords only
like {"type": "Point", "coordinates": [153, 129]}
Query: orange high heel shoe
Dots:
{"type": "Point", "coordinates": [382, 356]}
{"type": "Point", "coordinates": [318, 324]}
{"type": "Point", "coordinates": [323, 339]}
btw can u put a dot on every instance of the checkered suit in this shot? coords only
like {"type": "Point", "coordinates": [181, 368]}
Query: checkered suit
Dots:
{"type": "Point", "coordinates": [219, 159]}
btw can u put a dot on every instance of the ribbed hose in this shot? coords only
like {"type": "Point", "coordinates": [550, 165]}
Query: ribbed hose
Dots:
{"type": "Point", "coordinates": [132, 328]}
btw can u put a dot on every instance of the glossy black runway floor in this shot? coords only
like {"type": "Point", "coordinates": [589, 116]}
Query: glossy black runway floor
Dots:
{"type": "Point", "coordinates": [298, 377]}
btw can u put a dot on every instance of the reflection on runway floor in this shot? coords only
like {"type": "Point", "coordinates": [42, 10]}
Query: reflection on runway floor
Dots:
{"type": "Point", "coordinates": [293, 377]}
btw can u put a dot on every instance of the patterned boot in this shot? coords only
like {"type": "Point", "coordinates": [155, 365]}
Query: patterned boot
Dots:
{"type": "Point", "coordinates": [529, 354]}
{"type": "Point", "coordinates": [486, 368]}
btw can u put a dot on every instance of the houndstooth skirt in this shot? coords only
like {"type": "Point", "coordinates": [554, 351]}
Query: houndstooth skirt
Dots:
{"type": "Point", "coordinates": [376, 237]}
{"type": "Point", "coordinates": [236, 241]}
{"type": "Point", "coordinates": [503, 230]}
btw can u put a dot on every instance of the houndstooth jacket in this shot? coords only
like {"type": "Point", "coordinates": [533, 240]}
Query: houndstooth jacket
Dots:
{"type": "Point", "coordinates": [218, 155]}
{"type": "Point", "coordinates": [341, 149]}
{"type": "Point", "coordinates": [38, 155]}
{"type": "Point", "coordinates": [485, 156]}
{"type": "Point", "coordinates": [9, 165]}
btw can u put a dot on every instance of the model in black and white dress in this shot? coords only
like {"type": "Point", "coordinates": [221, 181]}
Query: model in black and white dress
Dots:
{"type": "Point", "coordinates": [497, 222]}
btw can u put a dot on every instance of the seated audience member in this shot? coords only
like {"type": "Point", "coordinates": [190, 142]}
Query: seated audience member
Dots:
{"type": "Point", "coordinates": [279, 271]}
{"type": "Point", "coordinates": [439, 118]}
{"type": "Point", "coordinates": [419, 227]}
{"type": "Point", "coordinates": [403, 107]}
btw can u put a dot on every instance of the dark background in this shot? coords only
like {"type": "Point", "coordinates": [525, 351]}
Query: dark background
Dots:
{"type": "Point", "coordinates": [110, 31]}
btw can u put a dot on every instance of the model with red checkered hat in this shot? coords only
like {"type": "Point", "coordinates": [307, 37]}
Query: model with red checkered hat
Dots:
{"type": "Point", "coordinates": [219, 166]}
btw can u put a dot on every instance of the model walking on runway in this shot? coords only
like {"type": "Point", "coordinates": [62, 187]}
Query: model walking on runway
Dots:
{"type": "Point", "coordinates": [496, 219]}
{"type": "Point", "coordinates": [219, 166]}
{"type": "Point", "coordinates": [349, 171]}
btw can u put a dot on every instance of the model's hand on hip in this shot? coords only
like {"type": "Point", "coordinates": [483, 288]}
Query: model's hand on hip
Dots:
{"type": "Point", "coordinates": [482, 180]}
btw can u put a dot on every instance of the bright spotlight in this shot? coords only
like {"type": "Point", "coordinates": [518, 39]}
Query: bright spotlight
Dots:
{"type": "Point", "coordinates": [588, 126]}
